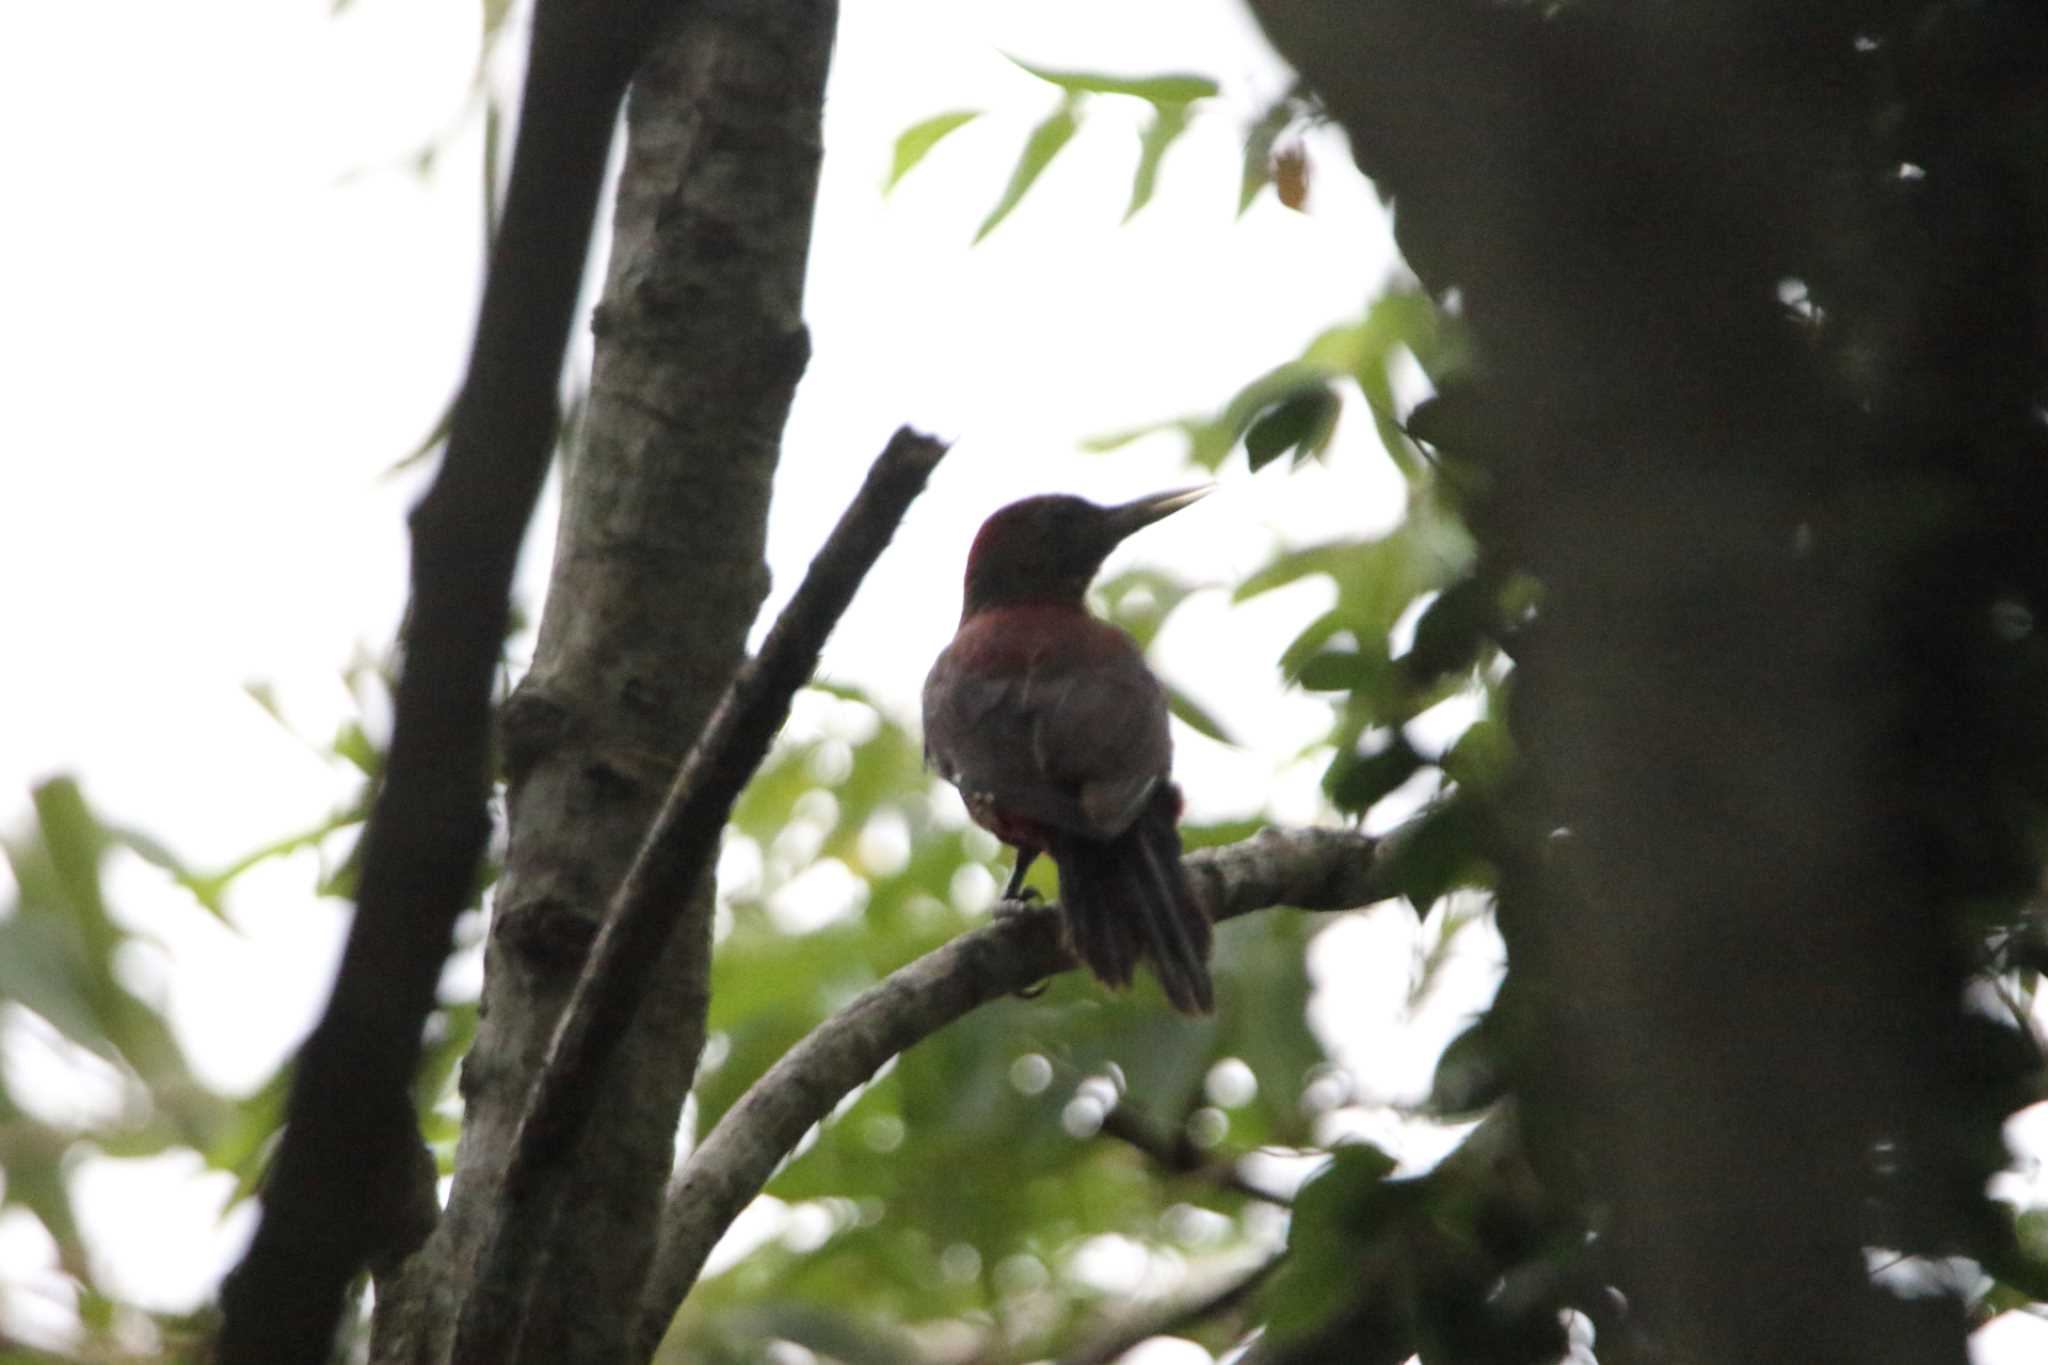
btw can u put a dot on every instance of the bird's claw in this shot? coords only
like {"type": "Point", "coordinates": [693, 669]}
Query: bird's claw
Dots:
{"type": "Point", "coordinates": [1027, 901]}
{"type": "Point", "coordinates": [1023, 900]}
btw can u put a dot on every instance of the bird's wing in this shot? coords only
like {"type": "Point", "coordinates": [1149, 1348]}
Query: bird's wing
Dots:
{"type": "Point", "coordinates": [981, 735]}
{"type": "Point", "coordinates": [1077, 746]}
{"type": "Point", "coordinates": [1101, 731]}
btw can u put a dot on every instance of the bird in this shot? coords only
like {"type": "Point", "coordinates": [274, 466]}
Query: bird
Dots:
{"type": "Point", "coordinates": [1055, 733]}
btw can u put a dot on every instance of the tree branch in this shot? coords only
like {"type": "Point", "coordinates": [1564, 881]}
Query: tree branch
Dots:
{"type": "Point", "coordinates": [339, 1191]}
{"type": "Point", "coordinates": [1173, 1319]}
{"type": "Point", "coordinates": [1311, 869]}
{"type": "Point", "coordinates": [1178, 1155]}
{"type": "Point", "coordinates": [676, 851]}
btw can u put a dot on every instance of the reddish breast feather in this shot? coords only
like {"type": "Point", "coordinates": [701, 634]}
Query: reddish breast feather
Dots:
{"type": "Point", "coordinates": [1016, 638]}
{"type": "Point", "coordinates": [1023, 640]}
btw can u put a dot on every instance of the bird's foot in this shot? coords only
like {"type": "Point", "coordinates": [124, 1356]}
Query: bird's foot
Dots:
{"type": "Point", "coordinates": [1024, 901]}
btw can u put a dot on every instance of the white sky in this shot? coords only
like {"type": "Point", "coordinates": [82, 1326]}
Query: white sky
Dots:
{"type": "Point", "coordinates": [232, 303]}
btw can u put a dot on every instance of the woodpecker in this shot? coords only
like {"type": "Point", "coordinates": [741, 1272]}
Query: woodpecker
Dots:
{"type": "Point", "coordinates": [1054, 730]}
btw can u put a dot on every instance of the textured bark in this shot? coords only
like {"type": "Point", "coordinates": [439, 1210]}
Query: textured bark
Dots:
{"type": "Point", "coordinates": [1310, 869]}
{"type": "Point", "coordinates": [658, 573]}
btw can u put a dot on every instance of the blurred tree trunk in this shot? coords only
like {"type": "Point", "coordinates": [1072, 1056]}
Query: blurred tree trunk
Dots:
{"type": "Point", "coordinates": [1757, 295]}
{"type": "Point", "coordinates": [658, 573]}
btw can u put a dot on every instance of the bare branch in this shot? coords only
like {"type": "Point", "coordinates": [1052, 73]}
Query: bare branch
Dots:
{"type": "Point", "coordinates": [1178, 1154]}
{"type": "Point", "coordinates": [1312, 869]}
{"type": "Point", "coordinates": [1173, 1319]}
{"type": "Point", "coordinates": [677, 849]}
{"type": "Point", "coordinates": [341, 1190]}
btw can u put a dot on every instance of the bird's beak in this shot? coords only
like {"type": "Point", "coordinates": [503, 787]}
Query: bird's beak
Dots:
{"type": "Point", "coordinates": [1127, 517]}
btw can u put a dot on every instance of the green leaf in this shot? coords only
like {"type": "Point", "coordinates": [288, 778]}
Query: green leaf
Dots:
{"type": "Point", "coordinates": [1194, 836]}
{"type": "Point", "coordinates": [57, 951]}
{"type": "Point", "coordinates": [39, 969]}
{"type": "Point", "coordinates": [1211, 439]}
{"type": "Point", "coordinates": [1451, 631]}
{"type": "Point", "coordinates": [1303, 422]}
{"type": "Point", "coordinates": [1344, 1210]}
{"type": "Point", "coordinates": [1169, 121]}
{"type": "Point", "coordinates": [1190, 427]}
{"type": "Point", "coordinates": [352, 744]}
{"type": "Point", "coordinates": [764, 806]}
{"type": "Point", "coordinates": [2021, 1262]}
{"type": "Point", "coordinates": [845, 1336]}
{"type": "Point", "coordinates": [425, 447]}
{"type": "Point", "coordinates": [74, 839]}
{"type": "Point", "coordinates": [36, 1181]}
{"type": "Point", "coordinates": [1262, 996]}
{"type": "Point", "coordinates": [1139, 600]}
{"type": "Point", "coordinates": [1195, 717]}
{"type": "Point", "coordinates": [1258, 150]}
{"type": "Point", "coordinates": [1331, 558]}
{"type": "Point", "coordinates": [264, 694]}
{"type": "Point", "coordinates": [1313, 637]}
{"type": "Point", "coordinates": [1354, 782]}
{"type": "Point", "coordinates": [1160, 90]}
{"type": "Point", "coordinates": [1405, 319]}
{"type": "Point", "coordinates": [1305, 379]}
{"type": "Point", "coordinates": [1403, 322]}
{"type": "Point", "coordinates": [1275, 387]}
{"type": "Point", "coordinates": [914, 143]}
{"type": "Point", "coordinates": [1433, 853]}
{"type": "Point", "coordinates": [240, 1145]}
{"type": "Point", "coordinates": [1376, 579]}
{"type": "Point", "coordinates": [1482, 757]}
{"type": "Point", "coordinates": [210, 888]}
{"type": "Point", "coordinates": [1335, 670]}
{"type": "Point", "coordinates": [340, 881]}
{"type": "Point", "coordinates": [1456, 420]}
{"type": "Point", "coordinates": [1039, 150]}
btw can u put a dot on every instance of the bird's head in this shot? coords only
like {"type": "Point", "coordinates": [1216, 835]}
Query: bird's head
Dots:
{"type": "Point", "coordinates": [1047, 548]}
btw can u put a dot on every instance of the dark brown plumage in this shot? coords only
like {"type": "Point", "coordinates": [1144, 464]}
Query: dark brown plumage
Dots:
{"type": "Point", "coordinates": [1055, 732]}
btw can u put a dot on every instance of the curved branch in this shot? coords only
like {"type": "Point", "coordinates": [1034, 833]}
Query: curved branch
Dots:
{"type": "Point", "coordinates": [1312, 869]}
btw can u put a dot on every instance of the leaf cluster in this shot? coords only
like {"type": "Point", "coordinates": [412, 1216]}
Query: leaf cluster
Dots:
{"type": "Point", "coordinates": [1175, 99]}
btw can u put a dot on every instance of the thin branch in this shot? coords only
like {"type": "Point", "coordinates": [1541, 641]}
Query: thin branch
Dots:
{"type": "Point", "coordinates": [341, 1192]}
{"type": "Point", "coordinates": [1311, 869]}
{"type": "Point", "coordinates": [1180, 1156]}
{"type": "Point", "coordinates": [675, 852]}
{"type": "Point", "coordinates": [1173, 1319]}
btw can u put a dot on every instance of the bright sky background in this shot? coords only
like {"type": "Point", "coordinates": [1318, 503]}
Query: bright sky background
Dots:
{"type": "Point", "coordinates": [234, 301]}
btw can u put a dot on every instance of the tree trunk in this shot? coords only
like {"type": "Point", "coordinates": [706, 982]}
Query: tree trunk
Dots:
{"type": "Point", "coordinates": [1771, 760]}
{"type": "Point", "coordinates": [658, 573]}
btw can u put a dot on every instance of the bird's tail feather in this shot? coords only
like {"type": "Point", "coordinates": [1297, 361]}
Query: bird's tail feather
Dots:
{"type": "Point", "coordinates": [1130, 898]}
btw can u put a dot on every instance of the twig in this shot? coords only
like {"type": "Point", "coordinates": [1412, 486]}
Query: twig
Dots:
{"type": "Point", "coordinates": [1311, 869]}
{"type": "Point", "coordinates": [1172, 1320]}
{"type": "Point", "coordinates": [675, 852]}
{"type": "Point", "coordinates": [1180, 1155]}
{"type": "Point", "coordinates": [342, 1190]}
